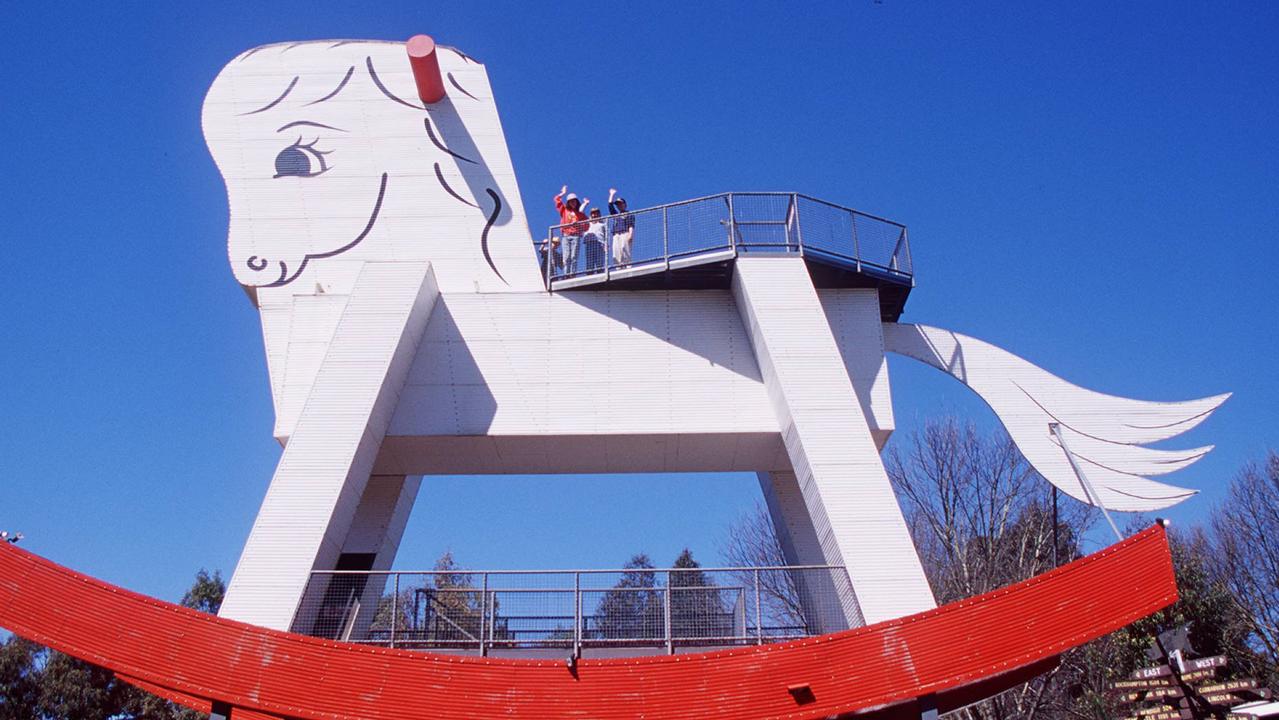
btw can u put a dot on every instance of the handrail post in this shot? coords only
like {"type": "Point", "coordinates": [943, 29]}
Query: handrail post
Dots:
{"type": "Point", "coordinates": [732, 226]}
{"type": "Point", "coordinates": [395, 609]}
{"type": "Point", "coordinates": [909, 259]}
{"type": "Point", "coordinates": [799, 232]}
{"type": "Point", "coordinates": [484, 612]}
{"type": "Point", "coordinates": [550, 233]}
{"type": "Point", "coordinates": [670, 638]}
{"type": "Point", "coordinates": [577, 614]}
{"type": "Point", "coordinates": [492, 616]}
{"type": "Point", "coordinates": [666, 239]}
{"type": "Point", "coordinates": [901, 240]}
{"type": "Point", "coordinates": [857, 248]}
{"type": "Point", "coordinates": [759, 614]}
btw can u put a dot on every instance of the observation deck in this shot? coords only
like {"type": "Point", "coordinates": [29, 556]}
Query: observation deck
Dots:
{"type": "Point", "coordinates": [692, 244]}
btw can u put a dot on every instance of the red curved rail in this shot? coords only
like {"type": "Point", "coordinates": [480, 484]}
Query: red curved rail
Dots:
{"type": "Point", "coordinates": [957, 653]}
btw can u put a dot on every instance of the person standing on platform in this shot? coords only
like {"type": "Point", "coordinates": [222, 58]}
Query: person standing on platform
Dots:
{"type": "Point", "coordinates": [593, 242]}
{"type": "Point", "coordinates": [623, 229]}
{"type": "Point", "coordinates": [572, 214]}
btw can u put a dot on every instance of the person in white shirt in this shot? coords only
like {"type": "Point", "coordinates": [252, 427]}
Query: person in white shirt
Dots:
{"type": "Point", "coordinates": [593, 242]}
{"type": "Point", "coordinates": [623, 229]}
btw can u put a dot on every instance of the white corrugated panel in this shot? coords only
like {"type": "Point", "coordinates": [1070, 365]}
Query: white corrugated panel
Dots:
{"type": "Point", "coordinates": [317, 486]}
{"type": "Point", "coordinates": [846, 491]}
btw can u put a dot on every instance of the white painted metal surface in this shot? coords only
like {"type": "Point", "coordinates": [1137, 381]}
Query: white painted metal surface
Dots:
{"type": "Point", "coordinates": [1105, 432]}
{"type": "Point", "coordinates": [839, 473]}
{"type": "Point", "coordinates": [311, 503]}
{"type": "Point", "coordinates": [801, 545]}
{"type": "Point", "coordinates": [376, 529]}
{"type": "Point", "coordinates": [330, 161]}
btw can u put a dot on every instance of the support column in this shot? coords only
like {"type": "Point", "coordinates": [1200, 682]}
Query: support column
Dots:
{"type": "Point", "coordinates": [336, 604]}
{"type": "Point", "coordinates": [819, 591]}
{"type": "Point", "coordinates": [850, 504]}
{"type": "Point", "coordinates": [311, 505]}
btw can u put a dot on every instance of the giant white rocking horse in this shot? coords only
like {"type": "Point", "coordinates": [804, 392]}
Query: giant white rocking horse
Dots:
{"type": "Point", "coordinates": [409, 331]}
{"type": "Point", "coordinates": [377, 226]}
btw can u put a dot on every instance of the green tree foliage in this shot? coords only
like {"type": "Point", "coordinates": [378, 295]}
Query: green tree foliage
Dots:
{"type": "Point", "coordinates": [1216, 625]}
{"type": "Point", "coordinates": [633, 608]}
{"type": "Point", "coordinates": [41, 684]}
{"type": "Point", "coordinates": [71, 688]}
{"type": "Point", "coordinates": [697, 608]}
{"type": "Point", "coordinates": [207, 593]}
{"type": "Point", "coordinates": [453, 608]}
{"type": "Point", "coordinates": [19, 679]}
{"type": "Point", "coordinates": [442, 608]}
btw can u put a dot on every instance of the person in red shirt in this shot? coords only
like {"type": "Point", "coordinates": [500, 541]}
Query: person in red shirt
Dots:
{"type": "Point", "coordinates": [572, 216]}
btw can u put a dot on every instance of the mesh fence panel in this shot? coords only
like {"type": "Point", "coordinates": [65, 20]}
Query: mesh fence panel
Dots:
{"type": "Point", "coordinates": [647, 244]}
{"type": "Point", "coordinates": [743, 221]}
{"type": "Point", "coordinates": [826, 228]}
{"type": "Point", "coordinates": [471, 611]}
{"type": "Point", "coordinates": [697, 226]}
{"type": "Point", "coordinates": [764, 220]}
{"type": "Point", "coordinates": [880, 242]}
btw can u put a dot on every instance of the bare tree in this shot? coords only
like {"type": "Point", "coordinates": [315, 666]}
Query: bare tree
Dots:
{"type": "Point", "coordinates": [982, 518]}
{"type": "Point", "coordinates": [752, 542]}
{"type": "Point", "coordinates": [1247, 557]}
{"type": "Point", "coordinates": [980, 515]}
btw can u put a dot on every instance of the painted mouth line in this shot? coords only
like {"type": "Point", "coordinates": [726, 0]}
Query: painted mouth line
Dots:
{"type": "Point", "coordinates": [285, 278]}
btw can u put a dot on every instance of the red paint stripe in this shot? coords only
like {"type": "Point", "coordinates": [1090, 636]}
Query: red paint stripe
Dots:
{"type": "Point", "coordinates": [958, 651]}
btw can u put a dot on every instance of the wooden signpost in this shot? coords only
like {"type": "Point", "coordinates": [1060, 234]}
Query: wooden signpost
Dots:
{"type": "Point", "coordinates": [1184, 688]}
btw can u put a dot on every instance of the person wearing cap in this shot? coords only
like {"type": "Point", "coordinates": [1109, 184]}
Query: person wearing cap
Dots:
{"type": "Point", "coordinates": [572, 213]}
{"type": "Point", "coordinates": [623, 229]}
{"type": "Point", "coordinates": [593, 242]}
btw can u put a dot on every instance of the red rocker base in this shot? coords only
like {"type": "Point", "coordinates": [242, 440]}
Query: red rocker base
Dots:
{"type": "Point", "coordinates": [934, 661]}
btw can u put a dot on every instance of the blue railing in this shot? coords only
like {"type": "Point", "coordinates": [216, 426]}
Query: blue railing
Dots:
{"type": "Point", "coordinates": [710, 229]}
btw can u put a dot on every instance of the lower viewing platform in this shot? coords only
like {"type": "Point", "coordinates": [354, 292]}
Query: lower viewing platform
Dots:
{"type": "Point", "coordinates": [692, 245]}
{"type": "Point", "coordinates": [592, 613]}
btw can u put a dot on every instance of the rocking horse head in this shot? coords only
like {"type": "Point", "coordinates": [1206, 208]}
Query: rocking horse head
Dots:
{"type": "Point", "coordinates": [332, 158]}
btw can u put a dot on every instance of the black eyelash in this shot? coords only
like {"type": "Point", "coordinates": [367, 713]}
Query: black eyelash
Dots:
{"type": "Point", "coordinates": [319, 154]}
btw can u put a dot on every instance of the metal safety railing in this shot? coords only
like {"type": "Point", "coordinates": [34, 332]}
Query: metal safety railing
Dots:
{"type": "Point", "coordinates": [479, 611]}
{"type": "Point", "coordinates": [721, 226]}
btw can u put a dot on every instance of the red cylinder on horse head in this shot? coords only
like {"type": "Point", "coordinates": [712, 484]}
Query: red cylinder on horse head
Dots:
{"type": "Point", "coordinates": [426, 68]}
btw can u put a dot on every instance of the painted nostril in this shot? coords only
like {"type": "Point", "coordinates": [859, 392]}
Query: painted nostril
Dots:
{"type": "Point", "coordinates": [426, 68]}
{"type": "Point", "coordinates": [260, 266]}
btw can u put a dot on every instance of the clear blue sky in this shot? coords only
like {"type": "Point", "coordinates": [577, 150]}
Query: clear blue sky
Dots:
{"type": "Point", "coordinates": [1092, 185]}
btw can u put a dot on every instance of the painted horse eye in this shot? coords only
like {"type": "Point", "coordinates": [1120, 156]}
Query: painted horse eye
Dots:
{"type": "Point", "coordinates": [298, 160]}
